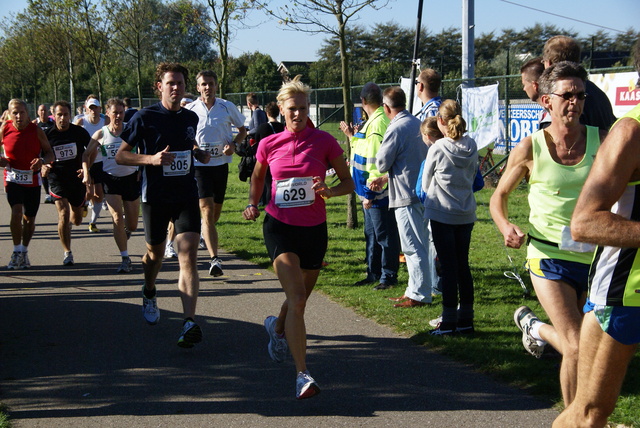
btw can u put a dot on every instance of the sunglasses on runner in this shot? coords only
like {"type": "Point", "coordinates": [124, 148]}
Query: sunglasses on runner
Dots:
{"type": "Point", "coordinates": [569, 95]}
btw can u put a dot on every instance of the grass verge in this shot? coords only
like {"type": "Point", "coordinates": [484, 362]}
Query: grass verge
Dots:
{"type": "Point", "coordinates": [495, 349]}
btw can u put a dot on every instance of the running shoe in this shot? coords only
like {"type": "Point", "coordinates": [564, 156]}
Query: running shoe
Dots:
{"type": "Point", "coordinates": [85, 211]}
{"type": "Point", "coordinates": [16, 260]}
{"type": "Point", "coordinates": [202, 245]}
{"type": "Point", "coordinates": [105, 206]}
{"type": "Point", "coordinates": [93, 228]}
{"type": "Point", "coordinates": [169, 252]}
{"type": "Point", "coordinates": [125, 266]}
{"type": "Point", "coordinates": [68, 258]}
{"type": "Point", "coordinates": [444, 329]}
{"type": "Point", "coordinates": [306, 387]}
{"type": "Point", "coordinates": [436, 321]}
{"type": "Point", "coordinates": [26, 264]}
{"type": "Point", "coordinates": [190, 334]}
{"type": "Point", "coordinates": [150, 310]}
{"type": "Point", "coordinates": [48, 199]}
{"type": "Point", "coordinates": [524, 319]}
{"type": "Point", "coordinates": [278, 347]}
{"type": "Point", "coordinates": [215, 267]}
{"type": "Point", "coordinates": [128, 232]}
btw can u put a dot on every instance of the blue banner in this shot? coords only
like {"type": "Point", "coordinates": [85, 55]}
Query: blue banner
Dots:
{"type": "Point", "coordinates": [523, 121]}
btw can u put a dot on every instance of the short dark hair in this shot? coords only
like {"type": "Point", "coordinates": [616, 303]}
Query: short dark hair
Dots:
{"type": "Point", "coordinates": [561, 70]}
{"type": "Point", "coordinates": [171, 67]}
{"type": "Point", "coordinates": [431, 79]}
{"type": "Point", "coordinates": [207, 73]}
{"type": "Point", "coordinates": [252, 98]}
{"type": "Point", "coordinates": [395, 98]}
{"type": "Point", "coordinates": [371, 93]}
{"type": "Point", "coordinates": [114, 102]}
{"type": "Point", "coordinates": [62, 104]}
{"type": "Point", "coordinates": [272, 109]}
{"type": "Point", "coordinates": [126, 101]}
{"type": "Point", "coordinates": [561, 48]}
{"type": "Point", "coordinates": [533, 68]}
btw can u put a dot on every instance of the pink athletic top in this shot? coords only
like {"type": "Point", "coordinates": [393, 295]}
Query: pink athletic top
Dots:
{"type": "Point", "coordinates": [298, 155]}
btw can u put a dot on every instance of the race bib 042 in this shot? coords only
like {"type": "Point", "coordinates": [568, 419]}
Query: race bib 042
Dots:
{"type": "Point", "coordinates": [214, 148]}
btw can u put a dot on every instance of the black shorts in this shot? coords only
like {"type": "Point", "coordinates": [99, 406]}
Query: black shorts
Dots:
{"type": "Point", "coordinates": [156, 218]}
{"type": "Point", "coordinates": [212, 181]}
{"type": "Point", "coordinates": [128, 186]}
{"type": "Point", "coordinates": [28, 197]}
{"type": "Point", "coordinates": [74, 191]}
{"type": "Point", "coordinates": [309, 243]}
{"type": "Point", "coordinates": [97, 174]}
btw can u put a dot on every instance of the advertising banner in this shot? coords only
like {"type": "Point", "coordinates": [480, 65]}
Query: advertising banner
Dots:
{"type": "Point", "coordinates": [620, 88]}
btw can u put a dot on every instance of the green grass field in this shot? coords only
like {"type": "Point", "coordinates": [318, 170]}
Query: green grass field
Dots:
{"type": "Point", "coordinates": [496, 347]}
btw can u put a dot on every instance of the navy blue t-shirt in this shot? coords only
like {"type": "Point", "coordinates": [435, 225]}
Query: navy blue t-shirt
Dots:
{"type": "Point", "coordinates": [68, 147]}
{"type": "Point", "coordinates": [151, 130]}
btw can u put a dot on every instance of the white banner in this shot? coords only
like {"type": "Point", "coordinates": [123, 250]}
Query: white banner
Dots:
{"type": "Point", "coordinates": [480, 111]}
{"type": "Point", "coordinates": [405, 84]}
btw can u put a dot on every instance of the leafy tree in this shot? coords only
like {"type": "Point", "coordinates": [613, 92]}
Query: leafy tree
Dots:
{"type": "Point", "coordinates": [136, 36]}
{"type": "Point", "coordinates": [312, 16]}
{"type": "Point", "coordinates": [182, 38]}
{"type": "Point", "coordinates": [220, 25]}
{"type": "Point", "coordinates": [262, 74]}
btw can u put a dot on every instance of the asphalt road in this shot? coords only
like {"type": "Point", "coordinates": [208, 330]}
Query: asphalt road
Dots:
{"type": "Point", "coordinates": [76, 352]}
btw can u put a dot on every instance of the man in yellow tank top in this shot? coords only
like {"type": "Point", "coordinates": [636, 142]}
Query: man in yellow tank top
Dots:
{"type": "Point", "coordinates": [556, 162]}
{"type": "Point", "coordinates": [608, 214]}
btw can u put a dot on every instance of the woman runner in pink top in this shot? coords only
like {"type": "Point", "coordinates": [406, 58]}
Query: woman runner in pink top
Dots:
{"type": "Point", "coordinates": [295, 228]}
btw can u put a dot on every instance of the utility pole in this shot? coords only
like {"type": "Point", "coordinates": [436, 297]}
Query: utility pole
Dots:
{"type": "Point", "coordinates": [468, 59]}
{"type": "Point", "coordinates": [416, 61]}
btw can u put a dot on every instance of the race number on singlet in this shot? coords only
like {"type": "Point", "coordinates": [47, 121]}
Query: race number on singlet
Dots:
{"type": "Point", "coordinates": [109, 150]}
{"type": "Point", "coordinates": [65, 151]}
{"type": "Point", "coordinates": [295, 192]}
{"type": "Point", "coordinates": [215, 148]}
{"type": "Point", "coordinates": [181, 164]}
{"type": "Point", "coordinates": [20, 176]}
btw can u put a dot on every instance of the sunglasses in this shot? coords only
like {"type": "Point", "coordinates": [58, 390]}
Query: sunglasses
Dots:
{"type": "Point", "coordinates": [416, 82]}
{"type": "Point", "coordinates": [569, 95]}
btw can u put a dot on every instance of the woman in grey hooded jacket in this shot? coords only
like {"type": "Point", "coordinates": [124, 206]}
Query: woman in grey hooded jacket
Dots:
{"type": "Point", "coordinates": [450, 206]}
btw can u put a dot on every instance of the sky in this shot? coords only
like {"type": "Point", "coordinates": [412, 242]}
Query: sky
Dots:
{"type": "Point", "coordinates": [267, 36]}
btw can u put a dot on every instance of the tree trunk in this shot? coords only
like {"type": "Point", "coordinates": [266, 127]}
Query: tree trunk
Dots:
{"type": "Point", "coordinates": [352, 211]}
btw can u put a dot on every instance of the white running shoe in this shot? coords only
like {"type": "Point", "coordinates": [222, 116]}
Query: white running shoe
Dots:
{"type": "Point", "coordinates": [150, 310]}
{"type": "Point", "coordinates": [202, 245]}
{"type": "Point", "coordinates": [215, 267]}
{"type": "Point", "coordinates": [524, 319]}
{"type": "Point", "coordinates": [16, 260]}
{"type": "Point", "coordinates": [190, 334]}
{"type": "Point", "coordinates": [125, 266]}
{"type": "Point", "coordinates": [26, 264]}
{"type": "Point", "coordinates": [169, 252]}
{"type": "Point", "coordinates": [306, 386]}
{"type": "Point", "coordinates": [435, 322]}
{"type": "Point", "coordinates": [278, 347]}
{"type": "Point", "coordinates": [68, 258]}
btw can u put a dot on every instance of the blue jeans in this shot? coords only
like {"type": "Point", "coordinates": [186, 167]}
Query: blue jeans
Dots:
{"type": "Point", "coordinates": [383, 245]}
{"type": "Point", "coordinates": [452, 242]}
{"type": "Point", "coordinates": [414, 239]}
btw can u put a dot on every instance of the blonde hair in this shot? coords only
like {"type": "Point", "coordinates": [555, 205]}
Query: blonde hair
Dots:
{"type": "Point", "coordinates": [451, 113]}
{"type": "Point", "coordinates": [430, 127]}
{"type": "Point", "coordinates": [293, 88]}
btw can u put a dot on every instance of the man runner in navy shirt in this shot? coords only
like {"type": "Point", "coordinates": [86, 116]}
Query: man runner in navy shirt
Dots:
{"type": "Point", "coordinates": [165, 137]}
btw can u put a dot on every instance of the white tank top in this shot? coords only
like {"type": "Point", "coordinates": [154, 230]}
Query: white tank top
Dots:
{"type": "Point", "coordinates": [108, 148]}
{"type": "Point", "coordinates": [92, 129]}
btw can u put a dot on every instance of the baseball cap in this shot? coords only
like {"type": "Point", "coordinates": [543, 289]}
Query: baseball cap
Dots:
{"type": "Point", "coordinates": [92, 102]}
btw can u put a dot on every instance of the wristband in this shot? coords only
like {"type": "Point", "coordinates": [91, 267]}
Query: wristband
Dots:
{"type": "Point", "coordinates": [250, 205]}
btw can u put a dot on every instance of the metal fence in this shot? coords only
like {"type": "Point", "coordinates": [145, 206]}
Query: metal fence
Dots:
{"type": "Point", "coordinates": [327, 104]}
